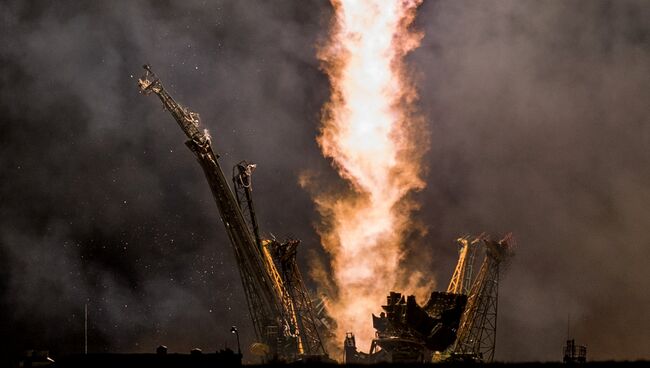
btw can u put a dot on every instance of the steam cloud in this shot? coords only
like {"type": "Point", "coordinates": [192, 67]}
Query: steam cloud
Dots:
{"type": "Point", "coordinates": [539, 125]}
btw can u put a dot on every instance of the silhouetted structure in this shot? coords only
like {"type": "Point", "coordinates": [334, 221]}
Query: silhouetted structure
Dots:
{"type": "Point", "coordinates": [574, 353]}
{"type": "Point", "coordinates": [279, 304]}
{"type": "Point", "coordinates": [457, 325]}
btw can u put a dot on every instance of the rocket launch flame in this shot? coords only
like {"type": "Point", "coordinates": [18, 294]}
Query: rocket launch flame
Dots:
{"type": "Point", "coordinates": [369, 130]}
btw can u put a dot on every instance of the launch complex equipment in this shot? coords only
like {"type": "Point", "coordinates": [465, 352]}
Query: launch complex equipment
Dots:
{"type": "Point", "coordinates": [458, 324]}
{"type": "Point", "coordinates": [574, 353]}
{"type": "Point", "coordinates": [286, 326]}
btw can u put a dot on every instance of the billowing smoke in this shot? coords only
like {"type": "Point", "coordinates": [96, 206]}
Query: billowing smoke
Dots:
{"type": "Point", "coordinates": [538, 121]}
{"type": "Point", "coordinates": [540, 126]}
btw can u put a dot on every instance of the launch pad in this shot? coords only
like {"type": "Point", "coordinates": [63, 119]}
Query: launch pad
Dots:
{"type": "Point", "coordinates": [457, 324]}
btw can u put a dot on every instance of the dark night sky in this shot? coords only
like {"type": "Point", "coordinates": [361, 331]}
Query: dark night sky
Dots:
{"type": "Point", "coordinates": [538, 120]}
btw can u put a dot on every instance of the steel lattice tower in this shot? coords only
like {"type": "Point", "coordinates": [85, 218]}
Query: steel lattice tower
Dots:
{"type": "Point", "coordinates": [269, 302]}
{"type": "Point", "coordinates": [476, 335]}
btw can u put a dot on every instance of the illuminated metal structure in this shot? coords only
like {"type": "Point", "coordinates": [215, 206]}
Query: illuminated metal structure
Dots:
{"type": "Point", "coordinates": [459, 324]}
{"type": "Point", "coordinates": [461, 280]}
{"type": "Point", "coordinates": [278, 302]}
{"type": "Point", "coordinates": [284, 259]}
{"type": "Point", "coordinates": [476, 337]}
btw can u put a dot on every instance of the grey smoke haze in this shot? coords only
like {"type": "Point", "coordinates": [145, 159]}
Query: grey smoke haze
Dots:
{"type": "Point", "coordinates": [538, 117]}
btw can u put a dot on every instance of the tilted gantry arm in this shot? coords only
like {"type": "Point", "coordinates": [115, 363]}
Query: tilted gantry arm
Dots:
{"type": "Point", "coordinates": [283, 256]}
{"type": "Point", "coordinates": [265, 293]}
{"type": "Point", "coordinates": [476, 334]}
{"type": "Point", "coordinates": [188, 120]}
{"type": "Point", "coordinates": [462, 278]}
{"type": "Point", "coordinates": [243, 181]}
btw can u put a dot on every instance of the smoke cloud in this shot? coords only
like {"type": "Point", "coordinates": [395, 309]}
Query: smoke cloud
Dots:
{"type": "Point", "coordinates": [538, 124]}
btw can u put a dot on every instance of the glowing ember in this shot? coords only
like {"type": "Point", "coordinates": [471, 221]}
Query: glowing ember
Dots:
{"type": "Point", "coordinates": [368, 129]}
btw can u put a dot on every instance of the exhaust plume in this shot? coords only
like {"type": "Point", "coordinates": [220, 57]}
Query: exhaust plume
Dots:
{"type": "Point", "coordinates": [374, 138]}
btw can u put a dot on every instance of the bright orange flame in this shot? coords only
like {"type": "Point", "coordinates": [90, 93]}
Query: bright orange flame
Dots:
{"type": "Point", "coordinates": [368, 130]}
